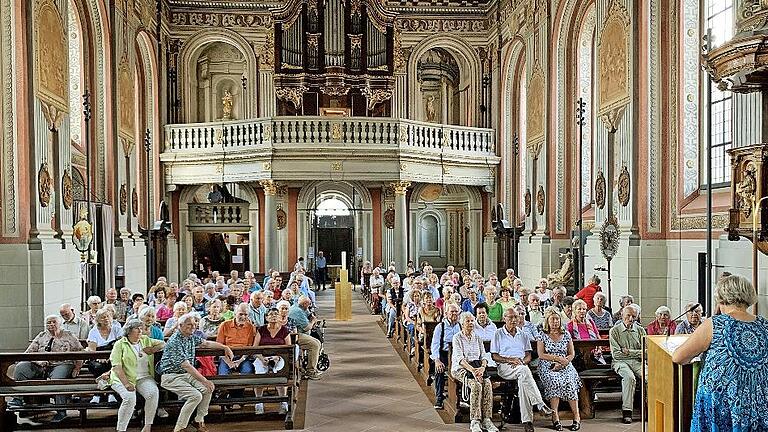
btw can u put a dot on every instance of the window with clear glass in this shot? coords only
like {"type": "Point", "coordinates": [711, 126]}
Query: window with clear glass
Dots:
{"type": "Point", "coordinates": [719, 25]}
{"type": "Point", "coordinates": [430, 234]}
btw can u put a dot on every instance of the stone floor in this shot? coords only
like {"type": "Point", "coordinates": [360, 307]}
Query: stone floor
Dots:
{"type": "Point", "coordinates": [368, 388]}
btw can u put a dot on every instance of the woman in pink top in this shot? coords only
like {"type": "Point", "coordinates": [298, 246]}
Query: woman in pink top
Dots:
{"type": "Point", "coordinates": [165, 310]}
{"type": "Point", "coordinates": [582, 327]}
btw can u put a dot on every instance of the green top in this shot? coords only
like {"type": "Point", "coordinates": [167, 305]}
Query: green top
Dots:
{"type": "Point", "coordinates": [495, 312]}
{"type": "Point", "coordinates": [228, 315]}
{"type": "Point", "coordinates": [507, 305]}
{"type": "Point", "coordinates": [631, 338]}
{"type": "Point", "coordinates": [124, 355]}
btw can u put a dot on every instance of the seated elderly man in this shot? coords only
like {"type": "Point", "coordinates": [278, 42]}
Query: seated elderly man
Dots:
{"type": "Point", "coordinates": [256, 309]}
{"type": "Point", "coordinates": [511, 350]}
{"type": "Point", "coordinates": [299, 314]}
{"type": "Point", "coordinates": [53, 339]}
{"type": "Point", "coordinates": [237, 332]}
{"type": "Point", "coordinates": [440, 348]}
{"type": "Point", "coordinates": [78, 326]}
{"type": "Point", "coordinates": [626, 347]}
{"type": "Point", "coordinates": [121, 308]}
{"type": "Point", "coordinates": [179, 375]}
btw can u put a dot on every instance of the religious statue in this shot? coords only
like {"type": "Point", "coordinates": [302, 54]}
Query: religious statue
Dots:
{"type": "Point", "coordinates": [226, 105]}
{"type": "Point", "coordinates": [745, 190]}
{"type": "Point", "coordinates": [430, 108]}
{"type": "Point", "coordinates": [564, 276]}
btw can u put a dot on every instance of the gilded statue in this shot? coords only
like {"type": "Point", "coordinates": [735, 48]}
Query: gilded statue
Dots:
{"type": "Point", "coordinates": [745, 190]}
{"type": "Point", "coordinates": [564, 275]}
{"type": "Point", "coordinates": [226, 105]}
{"type": "Point", "coordinates": [430, 108]}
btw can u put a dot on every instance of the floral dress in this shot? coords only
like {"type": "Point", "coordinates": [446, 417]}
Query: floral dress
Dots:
{"type": "Point", "coordinates": [563, 383]}
{"type": "Point", "coordinates": [733, 384]}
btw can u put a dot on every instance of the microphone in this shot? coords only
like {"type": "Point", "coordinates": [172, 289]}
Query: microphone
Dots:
{"type": "Point", "coordinates": [690, 309]}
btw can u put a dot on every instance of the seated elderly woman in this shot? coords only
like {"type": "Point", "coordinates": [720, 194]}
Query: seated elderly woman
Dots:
{"type": "Point", "coordinates": [624, 301]}
{"type": "Point", "coordinates": [733, 379]}
{"type": "Point", "coordinates": [581, 326]}
{"type": "Point", "coordinates": [468, 362]}
{"type": "Point", "coordinates": [133, 370]}
{"type": "Point", "coordinates": [560, 379]}
{"type": "Point", "coordinates": [210, 323]}
{"type": "Point", "coordinates": [693, 319]}
{"type": "Point", "coordinates": [148, 318]}
{"type": "Point", "coordinates": [506, 300]}
{"type": "Point", "coordinates": [52, 339]}
{"type": "Point", "coordinates": [102, 337]}
{"type": "Point", "coordinates": [272, 333]}
{"type": "Point", "coordinates": [599, 314]}
{"type": "Point", "coordinates": [179, 309]}
{"type": "Point", "coordinates": [94, 304]}
{"type": "Point", "coordinates": [662, 325]}
{"type": "Point", "coordinates": [165, 310]}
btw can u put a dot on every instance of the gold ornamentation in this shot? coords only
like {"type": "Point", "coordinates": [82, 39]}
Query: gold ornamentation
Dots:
{"type": "Point", "coordinates": [123, 199]}
{"type": "Point", "coordinates": [336, 131]}
{"type": "Point", "coordinates": [135, 203]}
{"type": "Point", "coordinates": [127, 144]}
{"type": "Point", "coordinates": [600, 190]}
{"type": "Point", "coordinates": [266, 166]}
{"type": "Point", "coordinates": [401, 55]}
{"type": "Point", "coordinates": [266, 52]}
{"type": "Point", "coordinates": [614, 60]}
{"type": "Point", "coordinates": [44, 185]}
{"type": "Point", "coordinates": [226, 105]}
{"type": "Point", "coordinates": [335, 90]}
{"type": "Point", "coordinates": [540, 200]}
{"type": "Point", "coordinates": [269, 185]}
{"type": "Point", "coordinates": [527, 202]}
{"type": "Point", "coordinates": [52, 115]}
{"type": "Point", "coordinates": [400, 187]}
{"type": "Point", "coordinates": [126, 105]}
{"type": "Point", "coordinates": [745, 189]}
{"type": "Point", "coordinates": [624, 186]}
{"type": "Point", "coordinates": [294, 95]}
{"type": "Point", "coordinates": [67, 195]}
{"type": "Point", "coordinates": [376, 96]}
{"type": "Point", "coordinates": [389, 217]}
{"type": "Point", "coordinates": [337, 166]}
{"type": "Point", "coordinates": [281, 216]}
{"type": "Point", "coordinates": [82, 234]}
{"type": "Point", "coordinates": [536, 111]}
{"type": "Point", "coordinates": [431, 192]}
{"type": "Point", "coordinates": [51, 58]}
{"type": "Point", "coordinates": [609, 237]}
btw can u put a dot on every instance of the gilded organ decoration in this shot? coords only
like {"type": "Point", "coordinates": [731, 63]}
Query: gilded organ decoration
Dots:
{"type": "Point", "coordinates": [295, 95]}
{"type": "Point", "coordinates": [44, 185]}
{"type": "Point", "coordinates": [600, 190]}
{"type": "Point", "coordinates": [376, 96]}
{"type": "Point", "coordinates": [536, 105]}
{"type": "Point", "coordinates": [624, 186]}
{"type": "Point", "coordinates": [613, 62]}
{"type": "Point", "coordinates": [51, 55]}
{"type": "Point", "coordinates": [746, 188]}
{"type": "Point", "coordinates": [67, 194]}
{"type": "Point", "coordinates": [266, 53]}
{"type": "Point", "coordinates": [125, 103]}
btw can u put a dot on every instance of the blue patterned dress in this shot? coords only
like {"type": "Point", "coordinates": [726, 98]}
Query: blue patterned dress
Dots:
{"type": "Point", "coordinates": [733, 384]}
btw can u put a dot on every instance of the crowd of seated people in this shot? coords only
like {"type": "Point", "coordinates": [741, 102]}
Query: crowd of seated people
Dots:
{"type": "Point", "coordinates": [176, 320]}
{"type": "Point", "coordinates": [517, 321]}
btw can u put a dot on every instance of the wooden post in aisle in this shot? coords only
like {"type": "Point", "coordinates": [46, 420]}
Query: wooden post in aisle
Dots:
{"type": "Point", "coordinates": [343, 291]}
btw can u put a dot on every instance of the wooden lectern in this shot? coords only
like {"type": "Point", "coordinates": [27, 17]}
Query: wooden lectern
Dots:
{"type": "Point", "coordinates": [343, 289]}
{"type": "Point", "coordinates": [671, 387]}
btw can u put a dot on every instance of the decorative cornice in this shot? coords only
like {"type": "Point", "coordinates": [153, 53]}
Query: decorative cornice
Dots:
{"type": "Point", "coordinates": [440, 25]}
{"type": "Point", "coordinates": [220, 4]}
{"type": "Point", "coordinates": [220, 19]}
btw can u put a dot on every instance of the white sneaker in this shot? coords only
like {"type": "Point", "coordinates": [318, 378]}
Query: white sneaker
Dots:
{"type": "Point", "coordinates": [283, 408]}
{"type": "Point", "coordinates": [95, 400]}
{"type": "Point", "coordinates": [259, 408]}
{"type": "Point", "coordinates": [162, 413]}
{"type": "Point", "coordinates": [111, 398]}
{"type": "Point", "coordinates": [489, 426]}
{"type": "Point", "coordinates": [474, 426]}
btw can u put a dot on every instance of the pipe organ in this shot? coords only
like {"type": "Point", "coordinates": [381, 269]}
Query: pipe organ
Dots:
{"type": "Point", "coordinates": [334, 57]}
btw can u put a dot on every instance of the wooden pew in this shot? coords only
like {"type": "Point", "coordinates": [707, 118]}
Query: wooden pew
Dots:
{"type": "Point", "coordinates": [592, 373]}
{"type": "Point", "coordinates": [85, 385]}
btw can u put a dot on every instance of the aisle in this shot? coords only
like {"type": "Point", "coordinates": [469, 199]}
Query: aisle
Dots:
{"type": "Point", "coordinates": [367, 388]}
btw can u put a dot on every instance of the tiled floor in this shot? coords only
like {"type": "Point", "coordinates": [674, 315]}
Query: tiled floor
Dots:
{"type": "Point", "coordinates": [368, 388]}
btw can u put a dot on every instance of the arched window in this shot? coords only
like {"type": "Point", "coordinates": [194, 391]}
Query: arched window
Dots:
{"type": "Point", "coordinates": [719, 23]}
{"type": "Point", "coordinates": [430, 234]}
{"type": "Point", "coordinates": [585, 88]}
{"type": "Point", "coordinates": [332, 207]}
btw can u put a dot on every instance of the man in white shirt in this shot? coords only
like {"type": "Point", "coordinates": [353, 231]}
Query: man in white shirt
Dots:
{"type": "Point", "coordinates": [73, 323]}
{"type": "Point", "coordinates": [511, 350]}
{"type": "Point", "coordinates": [441, 341]}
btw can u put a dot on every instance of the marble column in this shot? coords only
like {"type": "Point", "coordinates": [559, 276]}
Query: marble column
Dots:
{"type": "Point", "coordinates": [401, 224]}
{"type": "Point", "coordinates": [270, 225]}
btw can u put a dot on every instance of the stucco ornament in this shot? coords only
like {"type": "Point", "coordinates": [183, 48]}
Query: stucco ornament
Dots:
{"type": "Point", "coordinates": [540, 200]}
{"type": "Point", "coordinates": [600, 190]}
{"type": "Point", "coordinates": [536, 111]}
{"type": "Point", "coordinates": [613, 62]}
{"type": "Point", "coordinates": [51, 56]}
{"type": "Point", "coordinates": [67, 194]}
{"type": "Point", "coordinates": [44, 185]}
{"type": "Point", "coordinates": [624, 186]}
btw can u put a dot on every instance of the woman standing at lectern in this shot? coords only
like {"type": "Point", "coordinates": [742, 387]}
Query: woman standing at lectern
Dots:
{"type": "Point", "coordinates": [733, 385]}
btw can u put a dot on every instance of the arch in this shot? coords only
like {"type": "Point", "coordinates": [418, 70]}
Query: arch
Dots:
{"type": "Point", "coordinates": [149, 70]}
{"type": "Point", "coordinates": [469, 67]}
{"type": "Point", "coordinates": [513, 72]}
{"type": "Point", "coordinates": [342, 190]}
{"type": "Point", "coordinates": [190, 52]}
{"type": "Point", "coordinates": [439, 232]}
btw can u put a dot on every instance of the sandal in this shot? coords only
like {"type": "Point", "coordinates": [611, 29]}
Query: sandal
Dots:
{"type": "Point", "coordinates": [556, 425]}
{"type": "Point", "coordinates": [576, 425]}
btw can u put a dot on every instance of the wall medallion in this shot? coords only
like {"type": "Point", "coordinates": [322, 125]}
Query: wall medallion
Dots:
{"type": "Point", "coordinates": [528, 202]}
{"type": "Point", "coordinates": [123, 199]}
{"type": "Point", "coordinates": [600, 190]}
{"type": "Point", "coordinates": [389, 217]}
{"type": "Point", "coordinates": [431, 192]}
{"type": "Point", "coordinates": [540, 200]}
{"type": "Point", "coordinates": [282, 217]}
{"type": "Point", "coordinates": [135, 203]}
{"type": "Point", "coordinates": [67, 194]}
{"type": "Point", "coordinates": [623, 186]}
{"type": "Point", "coordinates": [44, 185]}
{"type": "Point", "coordinates": [609, 237]}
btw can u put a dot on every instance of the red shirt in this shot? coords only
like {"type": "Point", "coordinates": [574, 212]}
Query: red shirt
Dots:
{"type": "Point", "coordinates": [267, 339]}
{"type": "Point", "coordinates": [655, 329]}
{"type": "Point", "coordinates": [588, 293]}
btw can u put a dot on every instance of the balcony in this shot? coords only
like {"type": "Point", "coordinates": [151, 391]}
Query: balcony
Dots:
{"type": "Point", "coordinates": [233, 216]}
{"type": "Point", "coordinates": [312, 148]}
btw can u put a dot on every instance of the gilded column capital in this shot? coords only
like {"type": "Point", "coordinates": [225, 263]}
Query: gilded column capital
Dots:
{"type": "Point", "coordinates": [400, 187]}
{"type": "Point", "coordinates": [270, 187]}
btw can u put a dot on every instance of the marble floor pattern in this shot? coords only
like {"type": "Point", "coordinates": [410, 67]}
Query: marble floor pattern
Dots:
{"type": "Point", "coordinates": [369, 389]}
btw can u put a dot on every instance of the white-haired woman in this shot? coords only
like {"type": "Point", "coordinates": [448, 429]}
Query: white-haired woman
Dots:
{"type": "Point", "coordinates": [559, 377]}
{"type": "Point", "coordinates": [692, 321]}
{"type": "Point", "coordinates": [94, 304]}
{"type": "Point", "coordinates": [732, 383]}
{"type": "Point", "coordinates": [53, 339]}
{"type": "Point", "coordinates": [133, 371]}
{"type": "Point", "coordinates": [601, 316]}
{"type": "Point", "coordinates": [662, 325]}
{"type": "Point", "coordinates": [581, 327]}
{"type": "Point", "coordinates": [210, 323]}
{"type": "Point", "coordinates": [179, 309]}
{"type": "Point", "coordinates": [148, 318]}
{"type": "Point", "coordinates": [468, 362]}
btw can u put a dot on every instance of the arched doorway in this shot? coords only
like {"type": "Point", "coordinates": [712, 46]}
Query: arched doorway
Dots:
{"type": "Point", "coordinates": [335, 217]}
